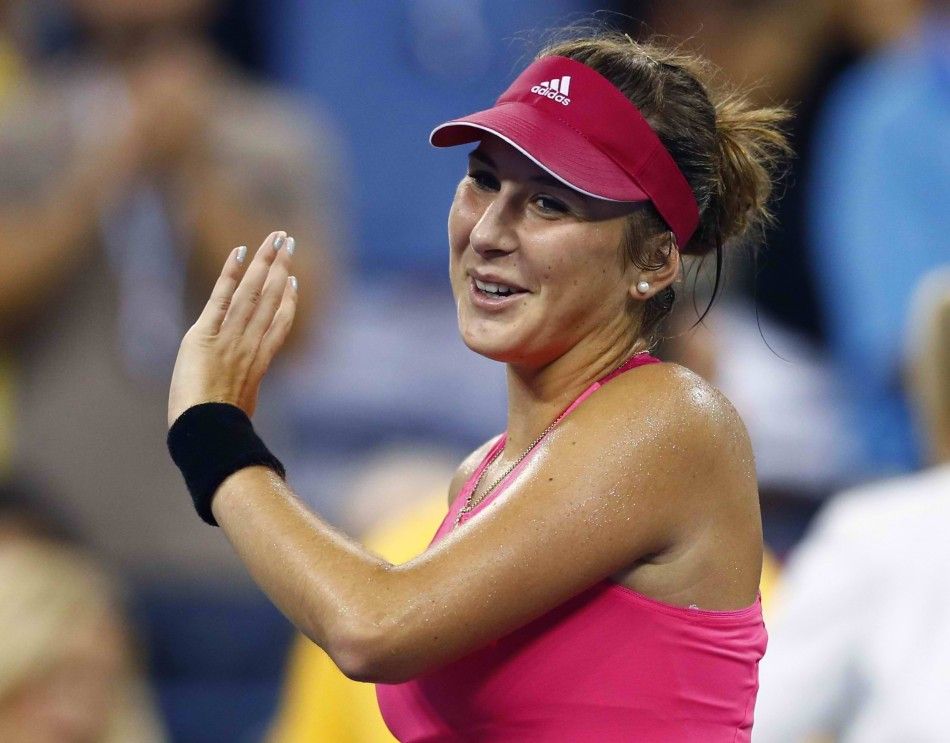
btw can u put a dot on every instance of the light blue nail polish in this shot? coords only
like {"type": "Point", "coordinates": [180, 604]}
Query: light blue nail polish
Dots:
{"type": "Point", "coordinates": [291, 244]}
{"type": "Point", "coordinates": [278, 241]}
{"type": "Point", "coordinates": [293, 282]}
{"type": "Point", "coordinates": [241, 253]}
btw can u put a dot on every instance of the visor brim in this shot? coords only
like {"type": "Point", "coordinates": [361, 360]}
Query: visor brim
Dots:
{"type": "Point", "coordinates": [548, 142]}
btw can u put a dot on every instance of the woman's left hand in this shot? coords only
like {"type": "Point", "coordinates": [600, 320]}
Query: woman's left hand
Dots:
{"type": "Point", "coordinates": [225, 354]}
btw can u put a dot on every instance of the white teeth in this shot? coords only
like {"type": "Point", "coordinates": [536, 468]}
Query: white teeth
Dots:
{"type": "Point", "coordinates": [486, 286]}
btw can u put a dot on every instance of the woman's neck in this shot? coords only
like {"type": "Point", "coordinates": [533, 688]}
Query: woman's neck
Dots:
{"type": "Point", "coordinates": [536, 396]}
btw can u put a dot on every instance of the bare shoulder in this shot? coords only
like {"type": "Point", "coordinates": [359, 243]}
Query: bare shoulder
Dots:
{"type": "Point", "coordinates": [691, 400]}
{"type": "Point", "coordinates": [669, 407]}
{"type": "Point", "coordinates": [667, 389]}
{"type": "Point", "coordinates": [467, 468]}
{"type": "Point", "coordinates": [677, 447]}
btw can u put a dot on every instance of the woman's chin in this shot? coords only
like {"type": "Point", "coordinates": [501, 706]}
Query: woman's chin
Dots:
{"type": "Point", "coordinates": [493, 347]}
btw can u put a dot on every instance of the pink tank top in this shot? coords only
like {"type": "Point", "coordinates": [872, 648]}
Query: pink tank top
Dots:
{"type": "Point", "coordinates": [609, 665]}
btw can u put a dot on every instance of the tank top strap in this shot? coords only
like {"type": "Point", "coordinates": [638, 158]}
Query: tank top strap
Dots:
{"type": "Point", "coordinates": [640, 359]}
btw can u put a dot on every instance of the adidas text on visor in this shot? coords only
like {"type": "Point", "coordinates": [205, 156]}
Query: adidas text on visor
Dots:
{"type": "Point", "coordinates": [572, 121]}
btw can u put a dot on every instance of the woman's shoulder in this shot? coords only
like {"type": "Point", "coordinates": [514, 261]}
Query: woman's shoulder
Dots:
{"type": "Point", "coordinates": [666, 399]}
{"type": "Point", "coordinates": [676, 443]}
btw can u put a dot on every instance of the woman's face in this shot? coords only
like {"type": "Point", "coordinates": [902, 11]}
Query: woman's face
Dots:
{"type": "Point", "coordinates": [550, 256]}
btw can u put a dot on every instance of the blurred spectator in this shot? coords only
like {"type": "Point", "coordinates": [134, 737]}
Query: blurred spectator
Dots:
{"type": "Point", "coordinates": [68, 673]}
{"type": "Point", "coordinates": [880, 222]}
{"type": "Point", "coordinates": [860, 648]}
{"type": "Point", "coordinates": [131, 168]}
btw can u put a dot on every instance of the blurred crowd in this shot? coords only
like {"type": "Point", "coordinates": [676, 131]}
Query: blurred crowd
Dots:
{"type": "Point", "coordinates": [140, 142]}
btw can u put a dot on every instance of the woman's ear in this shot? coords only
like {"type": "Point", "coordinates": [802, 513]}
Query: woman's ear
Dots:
{"type": "Point", "coordinates": [648, 282]}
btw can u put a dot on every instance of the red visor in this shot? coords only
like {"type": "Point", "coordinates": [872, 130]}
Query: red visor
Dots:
{"type": "Point", "coordinates": [575, 124]}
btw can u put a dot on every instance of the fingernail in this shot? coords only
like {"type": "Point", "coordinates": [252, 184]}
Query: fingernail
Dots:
{"type": "Point", "coordinates": [241, 253]}
{"type": "Point", "coordinates": [291, 244]}
{"type": "Point", "coordinates": [293, 282]}
{"type": "Point", "coordinates": [278, 241]}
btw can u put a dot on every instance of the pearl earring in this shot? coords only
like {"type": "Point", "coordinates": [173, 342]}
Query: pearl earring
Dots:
{"type": "Point", "coordinates": [643, 287]}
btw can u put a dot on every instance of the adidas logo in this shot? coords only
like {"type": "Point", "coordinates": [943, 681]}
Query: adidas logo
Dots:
{"type": "Point", "coordinates": [556, 89]}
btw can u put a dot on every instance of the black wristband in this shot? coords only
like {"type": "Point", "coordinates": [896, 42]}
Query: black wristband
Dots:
{"type": "Point", "coordinates": [211, 441]}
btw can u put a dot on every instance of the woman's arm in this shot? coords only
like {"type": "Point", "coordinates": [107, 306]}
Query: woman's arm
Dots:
{"type": "Point", "coordinates": [601, 493]}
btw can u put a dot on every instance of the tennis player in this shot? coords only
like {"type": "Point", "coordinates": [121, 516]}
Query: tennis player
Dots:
{"type": "Point", "coordinates": [596, 575]}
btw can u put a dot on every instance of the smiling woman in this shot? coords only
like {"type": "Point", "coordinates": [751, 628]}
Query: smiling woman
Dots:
{"type": "Point", "coordinates": [596, 575]}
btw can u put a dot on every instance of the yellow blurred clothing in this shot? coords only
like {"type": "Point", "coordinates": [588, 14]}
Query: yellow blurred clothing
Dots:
{"type": "Point", "coordinates": [321, 704]}
{"type": "Point", "coordinates": [11, 66]}
{"type": "Point", "coordinates": [768, 582]}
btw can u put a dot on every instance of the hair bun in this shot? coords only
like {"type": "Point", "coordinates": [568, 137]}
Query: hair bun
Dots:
{"type": "Point", "coordinates": [751, 147]}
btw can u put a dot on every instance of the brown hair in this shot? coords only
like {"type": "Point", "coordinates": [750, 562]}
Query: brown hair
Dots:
{"type": "Point", "coordinates": [727, 149]}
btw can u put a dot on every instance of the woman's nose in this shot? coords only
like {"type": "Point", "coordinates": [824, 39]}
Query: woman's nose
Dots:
{"type": "Point", "coordinates": [495, 232]}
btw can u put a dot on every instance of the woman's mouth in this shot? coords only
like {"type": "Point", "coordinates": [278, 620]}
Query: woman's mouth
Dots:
{"type": "Point", "coordinates": [496, 289]}
{"type": "Point", "coordinates": [490, 295]}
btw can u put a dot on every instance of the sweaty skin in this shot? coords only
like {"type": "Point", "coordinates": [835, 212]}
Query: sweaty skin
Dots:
{"type": "Point", "coordinates": [650, 480]}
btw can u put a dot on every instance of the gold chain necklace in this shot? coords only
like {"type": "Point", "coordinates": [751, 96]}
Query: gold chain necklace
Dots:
{"type": "Point", "coordinates": [471, 503]}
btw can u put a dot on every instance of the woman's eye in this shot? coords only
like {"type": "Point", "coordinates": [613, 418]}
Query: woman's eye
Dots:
{"type": "Point", "coordinates": [548, 204]}
{"type": "Point", "coordinates": [484, 180]}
